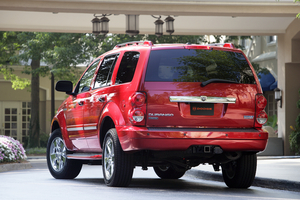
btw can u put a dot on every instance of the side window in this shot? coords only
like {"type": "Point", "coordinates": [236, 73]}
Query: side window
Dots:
{"type": "Point", "coordinates": [127, 67]}
{"type": "Point", "coordinates": [85, 81]}
{"type": "Point", "coordinates": [105, 71]}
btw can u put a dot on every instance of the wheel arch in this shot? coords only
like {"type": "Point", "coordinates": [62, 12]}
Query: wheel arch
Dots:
{"type": "Point", "coordinates": [110, 118]}
{"type": "Point", "coordinates": [106, 124]}
{"type": "Point", "coordinates": [59, 122]}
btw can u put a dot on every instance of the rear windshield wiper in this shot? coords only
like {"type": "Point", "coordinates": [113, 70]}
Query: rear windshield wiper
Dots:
{"type": "Point", "coordinates": [216, 81]}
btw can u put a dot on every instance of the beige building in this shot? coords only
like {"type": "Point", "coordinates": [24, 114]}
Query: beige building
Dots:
{"type": "Point", "coordinates": [15, 107]}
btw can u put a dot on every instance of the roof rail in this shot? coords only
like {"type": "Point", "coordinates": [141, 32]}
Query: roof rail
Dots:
{"type": "Point", "coordinates": [228, 45]}
{"type": "Point", "coordinates": [149, 43]}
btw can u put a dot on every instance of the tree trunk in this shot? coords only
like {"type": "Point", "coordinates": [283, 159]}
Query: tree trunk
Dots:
{"type": "Point", "coordinates": [34, 129]}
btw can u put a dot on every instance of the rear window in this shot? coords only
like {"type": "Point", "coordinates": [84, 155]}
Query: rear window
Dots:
{"type": "Point", "coordinates": [195, 65]}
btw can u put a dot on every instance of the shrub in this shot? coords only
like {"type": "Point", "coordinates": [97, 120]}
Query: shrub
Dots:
{"type": "Point", "coordinates": [11, 150]}
{"type": "Point", "coordinates": [295, 134]}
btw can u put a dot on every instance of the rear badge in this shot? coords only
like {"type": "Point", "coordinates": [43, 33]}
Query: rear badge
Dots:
{"type": "Point", "coordinates": [203, 98]}
{"type": "Point", "coordinates": [248, 117]}
{"type": "Point", "coordinates": [156, 115]}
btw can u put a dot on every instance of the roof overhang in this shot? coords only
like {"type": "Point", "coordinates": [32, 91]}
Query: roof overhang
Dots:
{"type": "Point", "coordinates": [192, 17]}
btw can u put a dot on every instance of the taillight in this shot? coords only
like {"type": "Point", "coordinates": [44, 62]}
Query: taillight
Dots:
{"type": "Point", "coordinates": [261, 102]}
{"type": "Point", "coordinates": [261, 116]}
{"type": "Point", "coordinates": [136, 116]}
{"type": "Point", "coordinates": [138, 110]}
{"type": "Point", "coordinates": [138, 99]}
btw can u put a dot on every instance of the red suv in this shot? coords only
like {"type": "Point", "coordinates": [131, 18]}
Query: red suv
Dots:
{"type": "Point", "coordinates": [166, 106]}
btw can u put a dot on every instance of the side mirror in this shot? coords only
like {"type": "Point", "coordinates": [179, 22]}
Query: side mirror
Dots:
{"type": "Point", "coordinates": [64, 86]}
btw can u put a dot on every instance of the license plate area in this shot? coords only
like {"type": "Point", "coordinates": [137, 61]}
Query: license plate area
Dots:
{"type": "Point", "coordinates": [202, 109]}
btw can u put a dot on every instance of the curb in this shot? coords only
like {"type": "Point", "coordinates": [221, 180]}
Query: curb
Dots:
{"type": "Point", "coordinates": [14, 166]}
{"type": "Point", "coordinates": [35, 157]}
{"type": "Point", "coordinates": [276, 157]}
{"type": "Point", "coordinates": [259, 182]}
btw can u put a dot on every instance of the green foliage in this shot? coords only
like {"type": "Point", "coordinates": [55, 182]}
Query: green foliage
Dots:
{"type": "Point", "coordinates": [295, 134]}
{"type": "Point", "coordinates": [17, 82]}
{"type": "Point", "coordinates": [258, 70]}
{"type": "Point", "coordinates": [272, 121]}
{"type": "Point", "coordinates": [63, 51]}
{"type": "Point", "coordinates": [8, 48]}
{"type": "Point", "coordinates": [36, 151]}
{"type": "Point", "coordinates": [44, 140]}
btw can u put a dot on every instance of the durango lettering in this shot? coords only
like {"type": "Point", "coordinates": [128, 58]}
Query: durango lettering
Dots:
{"type": "Point", "coordinates": [201, 108]}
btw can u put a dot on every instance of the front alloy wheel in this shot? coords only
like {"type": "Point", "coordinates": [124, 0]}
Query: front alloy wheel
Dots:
{"type": "Point", "coordinates": [58, 155]}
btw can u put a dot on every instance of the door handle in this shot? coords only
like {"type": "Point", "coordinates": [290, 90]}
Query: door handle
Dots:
{"type": "Point", "coordinates": [102, 98]}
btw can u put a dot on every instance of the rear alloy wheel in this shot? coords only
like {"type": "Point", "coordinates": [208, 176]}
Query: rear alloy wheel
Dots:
{"type": "Point", "coordinates": [117, 165]}
{"type": "Point", "coordinates": [165, 172]}
{"type": "Point", "coordinates": [240, 173]}
{"type": "Point", "coordinates": [58, 164]}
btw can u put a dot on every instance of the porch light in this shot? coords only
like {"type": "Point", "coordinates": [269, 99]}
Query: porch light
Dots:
{"type": "Point", "coordinates": [104, 25]}
{"type": "Point", "coordinates": [169, 24]}
{"type": "Point", "coordinates": [100, 26]}
{"type": "Point", "coordinates": [278, 96]}
{"type": "Point", "coordinates": [158, 26]}
{"type": "Point", "coordinates": [96, 26]}
{"type": "Point", "coordinates": [132, 25]}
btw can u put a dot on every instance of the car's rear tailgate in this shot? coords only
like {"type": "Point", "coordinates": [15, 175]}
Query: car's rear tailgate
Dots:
{"type": "Point", "coordinates": [187, 104]}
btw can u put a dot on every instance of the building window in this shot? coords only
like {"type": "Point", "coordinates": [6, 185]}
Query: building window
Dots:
{"type": "Point", "coordinates": [26, 108]}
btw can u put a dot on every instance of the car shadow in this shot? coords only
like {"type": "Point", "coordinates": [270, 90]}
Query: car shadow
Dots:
{"type": "Point", "coordinates": [178, 185]}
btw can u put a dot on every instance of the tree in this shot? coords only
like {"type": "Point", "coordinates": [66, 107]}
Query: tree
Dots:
{"type": "Point", "coordinates": [61, 50]}
{"type": "Point", "coordinates": [9, 46]}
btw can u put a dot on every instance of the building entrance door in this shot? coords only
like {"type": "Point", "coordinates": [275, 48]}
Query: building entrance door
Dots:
{"type": "Point", "coordinates": [15, 118]}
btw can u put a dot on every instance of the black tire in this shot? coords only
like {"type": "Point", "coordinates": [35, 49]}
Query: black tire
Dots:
{"type": "Point", "coordinates": [165, 172]}
{"type": "Point", "coordinates": [59, 166]}
{"type": "Point", "coordinates": [240, 173]}
{"type": "Point", "coordinates": [117, 166]}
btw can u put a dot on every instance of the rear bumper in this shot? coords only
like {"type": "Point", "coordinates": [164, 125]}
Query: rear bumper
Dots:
{"type": "Point", "coordinates": [163, 139]}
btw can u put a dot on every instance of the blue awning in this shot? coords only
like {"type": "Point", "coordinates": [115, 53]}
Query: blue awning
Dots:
{"type": "Point", "coordinates": [267, 82]}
